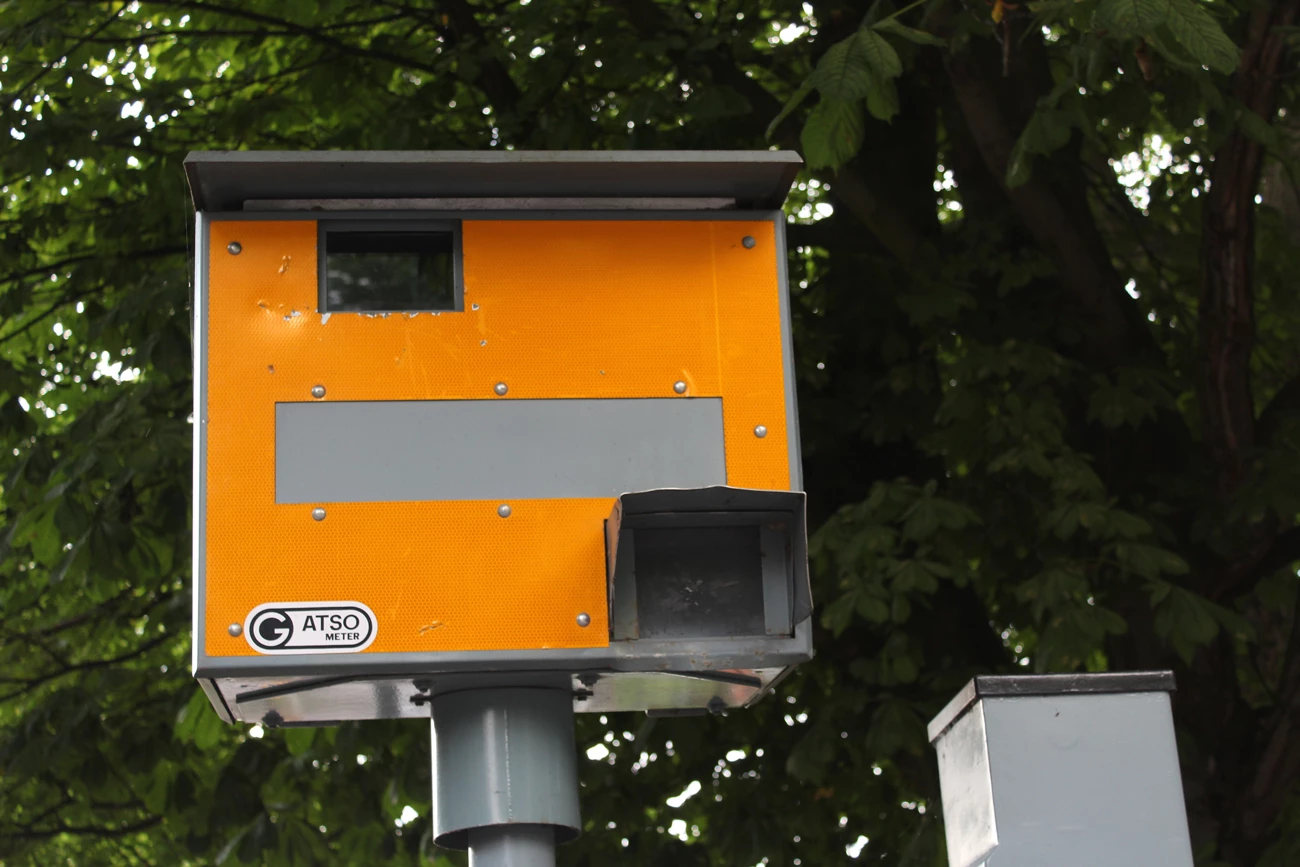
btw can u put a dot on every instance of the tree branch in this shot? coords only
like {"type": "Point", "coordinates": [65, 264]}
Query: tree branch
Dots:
{"type": "Point", "coordinates": [316, 34]}
{"type": "Point", "coordinates": [1278, 765]}
{"type": "Point", "coordinates": [1227, 293]}
{"type": "Point", "coordinates": [1055, 214]}
{"type": "Point", "coordinates": [493, 77]}
{"type": "Point", "coordinates": [82, 830]}
{"type": "Point", "coordinates": [882, 218]}
{"type": "Point", "coordinates": [1262, 559]}
{"type": "Point", "coordinates": [28, 684]}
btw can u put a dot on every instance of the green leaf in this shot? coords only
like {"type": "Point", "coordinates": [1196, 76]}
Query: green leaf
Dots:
{"type": "Point", "coordinates": [882, 98]}
{"type": "Point", "coordinates": [929, 514]}
{"type": "Point", "coordinates": [1126, 18]}
{"type": "Point", "coordinates": [862, 66]}
{"type": "Point", "coordinates": [905, 669]}
{"type": "Point", "coordinates": [871, 608]}
{"type": "Point", "coordinates": [1187, 620]}
{"type": "Point", "coordinates": [198, 723]}
{"type": "Point", "coordinates": [1048, 129]}
{"type": "Point", "coordinates": [913, 575]}
{"type": "Point", "coordinates": [880, 54]}
{"type": "Point", "coordinates": [911, 34]}
{"type": "Point", "coordinates": [233, 843]}
{"type": "Point", "coordinates": [795, 100]}
{"type": "Point", "coordinates": [1148, 560]}
{"type": "Point", "coordinates": [813, 753]}
{"type": "Point", "coordinates": [1164, 42]}
{"type": "Point", "coordinates": [717, 102]}
{"type": "Point", "coordinates": [1126, 524]}
{"type": "Point", "coordinates": [1019, 164]}
{"type": "Point", "coordinates": [1202, 36]}
{"type": "Point", "coordinates": [894, 727]}
{"type": "Point", "coordinates": [844, 72]}
{"type": "Point", "coordinates": [832, 133]}
{"type": "Point", "coordinates": [299, 740]}
{"type": "Point", "coordinates": [837, 616]}
{"type": "Point", "coordinates": [1257, 129]}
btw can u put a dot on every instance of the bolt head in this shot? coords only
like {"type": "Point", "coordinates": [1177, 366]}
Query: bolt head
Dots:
{"type": "Point", "coordinates": [235, 630]}
{"type": "Point", "coordinates": [760, 431]}
{"type": "Point", "coordinates": [234, 248]}
{"type": "Point", "coordinates": [318, 391]}
{"type": "Point", "coordinates": [748, 242]}
{"type": "Point", "coordinates": [584, 620]}
{"type": "Point", "coordinates": [318, 514]}
{"type": "Point", "coordinates": [501, 388]}
{"type": "Point", "coordinates": [679, 387]}
{"type": "Point", "coordinates": [504, 510]}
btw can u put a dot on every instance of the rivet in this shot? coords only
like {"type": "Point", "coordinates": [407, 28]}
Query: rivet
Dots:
{"type": "Point", "coordinates": [584, 619]}
{"type": "Point", "coordinates": [318, 391]}
{"type": "Point", "coordinates": [318, 514]}
{"type": "Point", "coordinates": [748, 241]}
{"type": "Point", "coordinates": [504, 510]}
{"type": "Point", "coordinates": [679, 387]}
{"type": "Point", "coordinates": [235, 630]}
{"type": "Point", "coordinates": [501, 388]}
{"type": "Point", "coordinates": [234, 248]}
{"type": "Point", "coordinates": [760, 431]}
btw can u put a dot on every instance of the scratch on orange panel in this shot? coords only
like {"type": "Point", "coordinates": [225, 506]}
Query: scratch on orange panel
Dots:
{"type": "Point", "coordinates": [412, 352]}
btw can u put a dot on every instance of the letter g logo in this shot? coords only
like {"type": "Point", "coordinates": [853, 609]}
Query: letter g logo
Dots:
{"type": "Point", "coordinates": [271, 629]}
{"type": "Point", "coordinates": [310, 627]}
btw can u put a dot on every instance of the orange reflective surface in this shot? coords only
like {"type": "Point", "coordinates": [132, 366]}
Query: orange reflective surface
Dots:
{"type": "Point", "coordinates": [555, 309]}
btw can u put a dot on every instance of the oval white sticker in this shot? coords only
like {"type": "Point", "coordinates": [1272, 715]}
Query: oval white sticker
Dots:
{"type": "Point", "coordinates": [310, 627]}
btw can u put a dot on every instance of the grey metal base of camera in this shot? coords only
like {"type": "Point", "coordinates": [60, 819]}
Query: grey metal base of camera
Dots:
{"type": "Point", "coordinates": [505, 778]}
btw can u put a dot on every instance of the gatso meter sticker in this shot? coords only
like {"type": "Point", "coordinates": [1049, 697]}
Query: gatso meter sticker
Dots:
{"type": "Point", "coordinates": [310, 627]}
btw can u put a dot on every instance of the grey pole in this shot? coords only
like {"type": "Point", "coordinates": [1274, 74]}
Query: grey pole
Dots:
{"type": "Point", "coordinates": [512, 846]}
{"type": "Point", "coordinates": [505, 781]}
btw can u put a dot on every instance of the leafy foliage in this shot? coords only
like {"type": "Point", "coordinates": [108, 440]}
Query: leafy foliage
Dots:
{"type": "Point", "coordinates": [1043, 262]}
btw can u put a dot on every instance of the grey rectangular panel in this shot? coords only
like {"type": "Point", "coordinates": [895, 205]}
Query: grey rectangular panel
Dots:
{"type": "Point", "coordinates": [391, 451]}
{"type": "Point", "coordinates": [1086, 780]}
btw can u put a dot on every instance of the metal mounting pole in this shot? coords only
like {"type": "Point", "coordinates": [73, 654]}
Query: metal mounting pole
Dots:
{"type": "Point", "coordinates": [505, 781]}
{"type": "Point", "coordinates": [512, 846]}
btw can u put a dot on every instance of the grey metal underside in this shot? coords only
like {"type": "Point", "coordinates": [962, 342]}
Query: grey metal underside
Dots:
{"type": "Point", "coordinates": [705, 654]}
{"type": "Point", "coordinates": [496, 203]}
{"type": "Point", "coordinates": [224, 180]}
{"type": "Point", "coordinates": [503, 449]}
{"type": "Point", "coordinates": [329, 700]}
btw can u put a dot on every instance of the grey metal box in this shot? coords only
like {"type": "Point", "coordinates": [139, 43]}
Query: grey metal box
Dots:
{"type": "Point", "coordinates": [1062, 771]}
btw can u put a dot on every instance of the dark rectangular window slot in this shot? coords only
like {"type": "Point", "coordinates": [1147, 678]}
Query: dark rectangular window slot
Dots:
{"type": "Point", "coordinates": [697, 582]}
{"type": "Point", "coordinates": [388, 269]}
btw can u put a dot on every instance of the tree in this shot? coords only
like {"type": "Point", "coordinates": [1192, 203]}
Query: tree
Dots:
{"type": "Point", "coordinates": [1048, 396]}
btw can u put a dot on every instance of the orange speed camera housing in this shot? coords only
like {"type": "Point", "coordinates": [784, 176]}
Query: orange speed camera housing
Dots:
{"type": "Point", "coordinates": [425, 384]}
